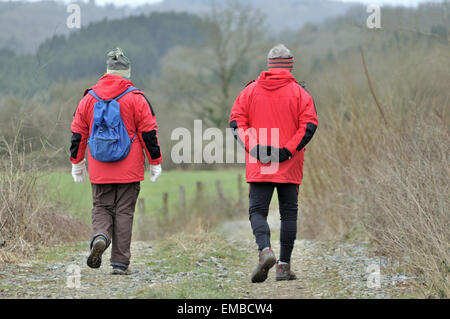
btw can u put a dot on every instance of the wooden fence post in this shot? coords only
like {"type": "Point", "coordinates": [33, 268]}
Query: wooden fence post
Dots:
{"type": "Point", "coordinates": [165, 210]}
{"type": "Point", "coordinates": [240, 190]}
{"type": "Point", "coordinates": [182, 199]}
{"type": "Point", "coordinates": [220, 191]}
{"type": "Point", "coordinates": [199, 195]}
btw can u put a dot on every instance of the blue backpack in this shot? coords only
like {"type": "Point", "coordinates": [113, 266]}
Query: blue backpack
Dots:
{"type": "Point", "coordinates": [109, 140]}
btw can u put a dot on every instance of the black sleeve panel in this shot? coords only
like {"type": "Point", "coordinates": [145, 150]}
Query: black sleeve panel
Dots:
{"type": "Point", "coordinates": [233, 125]}
{"type": "Point", "coordinates": [149, 105]}
{"type": "Point", "coordinates": [310, 130]}
{"type": "Point", "coordinates": [252, 81]}
{"type": "Point", "coordinates": [75, 144]}
{"type": "Point", "coordinates": [86, 91]}
{"type": "Point", "coordinates": [151, 143]}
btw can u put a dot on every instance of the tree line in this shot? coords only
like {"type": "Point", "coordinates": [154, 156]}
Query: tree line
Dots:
{"type": "Point", "coordinates": [145, 39]}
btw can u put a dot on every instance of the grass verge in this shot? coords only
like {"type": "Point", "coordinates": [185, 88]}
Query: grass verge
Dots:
{"type": "Point", "coordinates": [203, 256]}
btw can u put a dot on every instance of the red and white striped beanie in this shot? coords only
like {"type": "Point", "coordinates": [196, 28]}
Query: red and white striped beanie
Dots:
{"type": "Point", "coordinates": [280, 57]}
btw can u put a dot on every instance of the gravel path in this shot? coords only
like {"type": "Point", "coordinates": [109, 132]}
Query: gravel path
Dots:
{"type": "Point", "coordinates": [324, 270]}
{"type": "Point", "coordinates": [50, 280]}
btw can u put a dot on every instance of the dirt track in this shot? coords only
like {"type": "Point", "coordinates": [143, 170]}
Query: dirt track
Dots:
{"type": "Point", "coordinates": [324, 270]}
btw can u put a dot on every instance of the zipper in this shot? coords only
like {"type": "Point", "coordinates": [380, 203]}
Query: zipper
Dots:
{"type": "Point", "coordinates": [106, 139]}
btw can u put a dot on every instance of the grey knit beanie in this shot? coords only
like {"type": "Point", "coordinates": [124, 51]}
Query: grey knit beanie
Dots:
{"type": "Point", "coordinates": [118, 63]}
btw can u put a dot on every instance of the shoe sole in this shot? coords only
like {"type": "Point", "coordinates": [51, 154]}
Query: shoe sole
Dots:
{"type": "Point", "coordinates": [95, 257]}
{"type": "Point", "coordinates": [127, 272]}
{"type": "Point", "coordinates": [284, 278]}
{"type": "Point", "coordinates": [261, 273]}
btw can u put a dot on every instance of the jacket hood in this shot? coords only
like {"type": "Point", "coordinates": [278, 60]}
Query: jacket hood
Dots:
{"type": "Point", "coordinates": [110, 86]}
{"type": "Point", "coordinates": [274, 79]}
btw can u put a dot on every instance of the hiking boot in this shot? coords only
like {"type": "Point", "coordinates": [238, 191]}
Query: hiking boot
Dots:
{"type": "Point", "coordinates": [95, 257]}
{"type": "Point", "coordinates": [121, 270]}
{"type": "Point", "coordinates": [284, 272]}
{"type": "Point", "coordinates": [266, 261]}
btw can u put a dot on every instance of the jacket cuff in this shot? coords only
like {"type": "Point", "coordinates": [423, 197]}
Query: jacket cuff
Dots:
{"type": "Point", "coordinates": [76, 160]}
{"type": "Point", "coordinates": [157, 161]}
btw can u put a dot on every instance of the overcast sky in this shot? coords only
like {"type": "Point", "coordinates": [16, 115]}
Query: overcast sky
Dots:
{"type": "Point", "coordinates": [398, 2]}
{"type": "Point", "coordinates": [393, 2]}
{"type": "Point", "coordinates": [139, 2]}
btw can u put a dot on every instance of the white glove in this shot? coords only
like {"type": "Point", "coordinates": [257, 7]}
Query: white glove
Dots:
{"type": "Point", "coordinates": [155, 172]}
{"type": "Point", "coordinates": [79, 171]}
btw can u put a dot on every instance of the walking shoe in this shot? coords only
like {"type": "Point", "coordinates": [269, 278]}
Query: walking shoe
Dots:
{"type": "Point", "coordinates": [284, 272]}
{"type": "Point", "coordinates": [266, 261]}
{"type": "Point", "coordinates": [120, 270]}
{"type": "Point", "coordinates": [95, 257]}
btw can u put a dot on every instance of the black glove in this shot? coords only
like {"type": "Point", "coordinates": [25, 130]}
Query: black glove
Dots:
{"type": "Point", "coordinates": [280, 155]}
{"type": "Point", "coordinates": [262, 153]}
{"type": "Point", "coordinates": [266, 154]}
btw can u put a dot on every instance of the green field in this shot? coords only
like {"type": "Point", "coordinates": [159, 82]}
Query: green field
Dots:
{"type": "Point", "coordinates": [77, 197]}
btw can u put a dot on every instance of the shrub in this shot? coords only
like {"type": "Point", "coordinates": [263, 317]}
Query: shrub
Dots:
{"type": "Point", "coordinates": [27, 216]}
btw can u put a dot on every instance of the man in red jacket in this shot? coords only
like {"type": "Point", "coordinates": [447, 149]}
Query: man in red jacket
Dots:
{"type": "Point", "coordinates": [274, 118]}
{"type": "Point", "coordinates": [115, 185]}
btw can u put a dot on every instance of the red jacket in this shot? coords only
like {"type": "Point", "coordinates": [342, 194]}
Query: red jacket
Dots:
{"type": "Point", "coordinates": [138, 116]}
{"type": "Point", "coordinates": [274, 101]}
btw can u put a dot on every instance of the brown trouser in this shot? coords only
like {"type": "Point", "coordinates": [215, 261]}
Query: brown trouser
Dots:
{"type": "Point", "coordinates": [112, 217]}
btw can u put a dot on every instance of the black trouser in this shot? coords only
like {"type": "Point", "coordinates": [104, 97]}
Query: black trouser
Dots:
{"type": "Point", "coordinates": [260, 196]}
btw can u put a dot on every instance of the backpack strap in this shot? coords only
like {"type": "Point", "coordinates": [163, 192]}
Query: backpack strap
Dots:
{"type": "Point", "coordinates": [134, 137]}
{"type": "Point", "coordinates": [130, 89]}
{"type": "Point", "coordinates": [91, 92]}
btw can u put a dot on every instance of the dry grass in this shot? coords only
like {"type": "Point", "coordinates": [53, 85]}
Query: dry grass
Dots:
{"type": "Point", "coordinates": [27, 219]}
{"type": "Point", "coordinates": [406, 211]}
{"type": "Point", "coordinates": [385, 180]}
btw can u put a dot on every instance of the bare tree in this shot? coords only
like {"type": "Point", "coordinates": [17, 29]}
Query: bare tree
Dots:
{"type": "Point", "coordinates": [205, 80]}
{"type": "Point", "coordinates": [235, 29]}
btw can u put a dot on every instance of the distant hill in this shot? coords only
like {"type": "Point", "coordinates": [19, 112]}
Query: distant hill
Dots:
{"type": "Point", "coordinates": [145, 39]}
{"type": "Point", "coordinates": [25, 25]}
